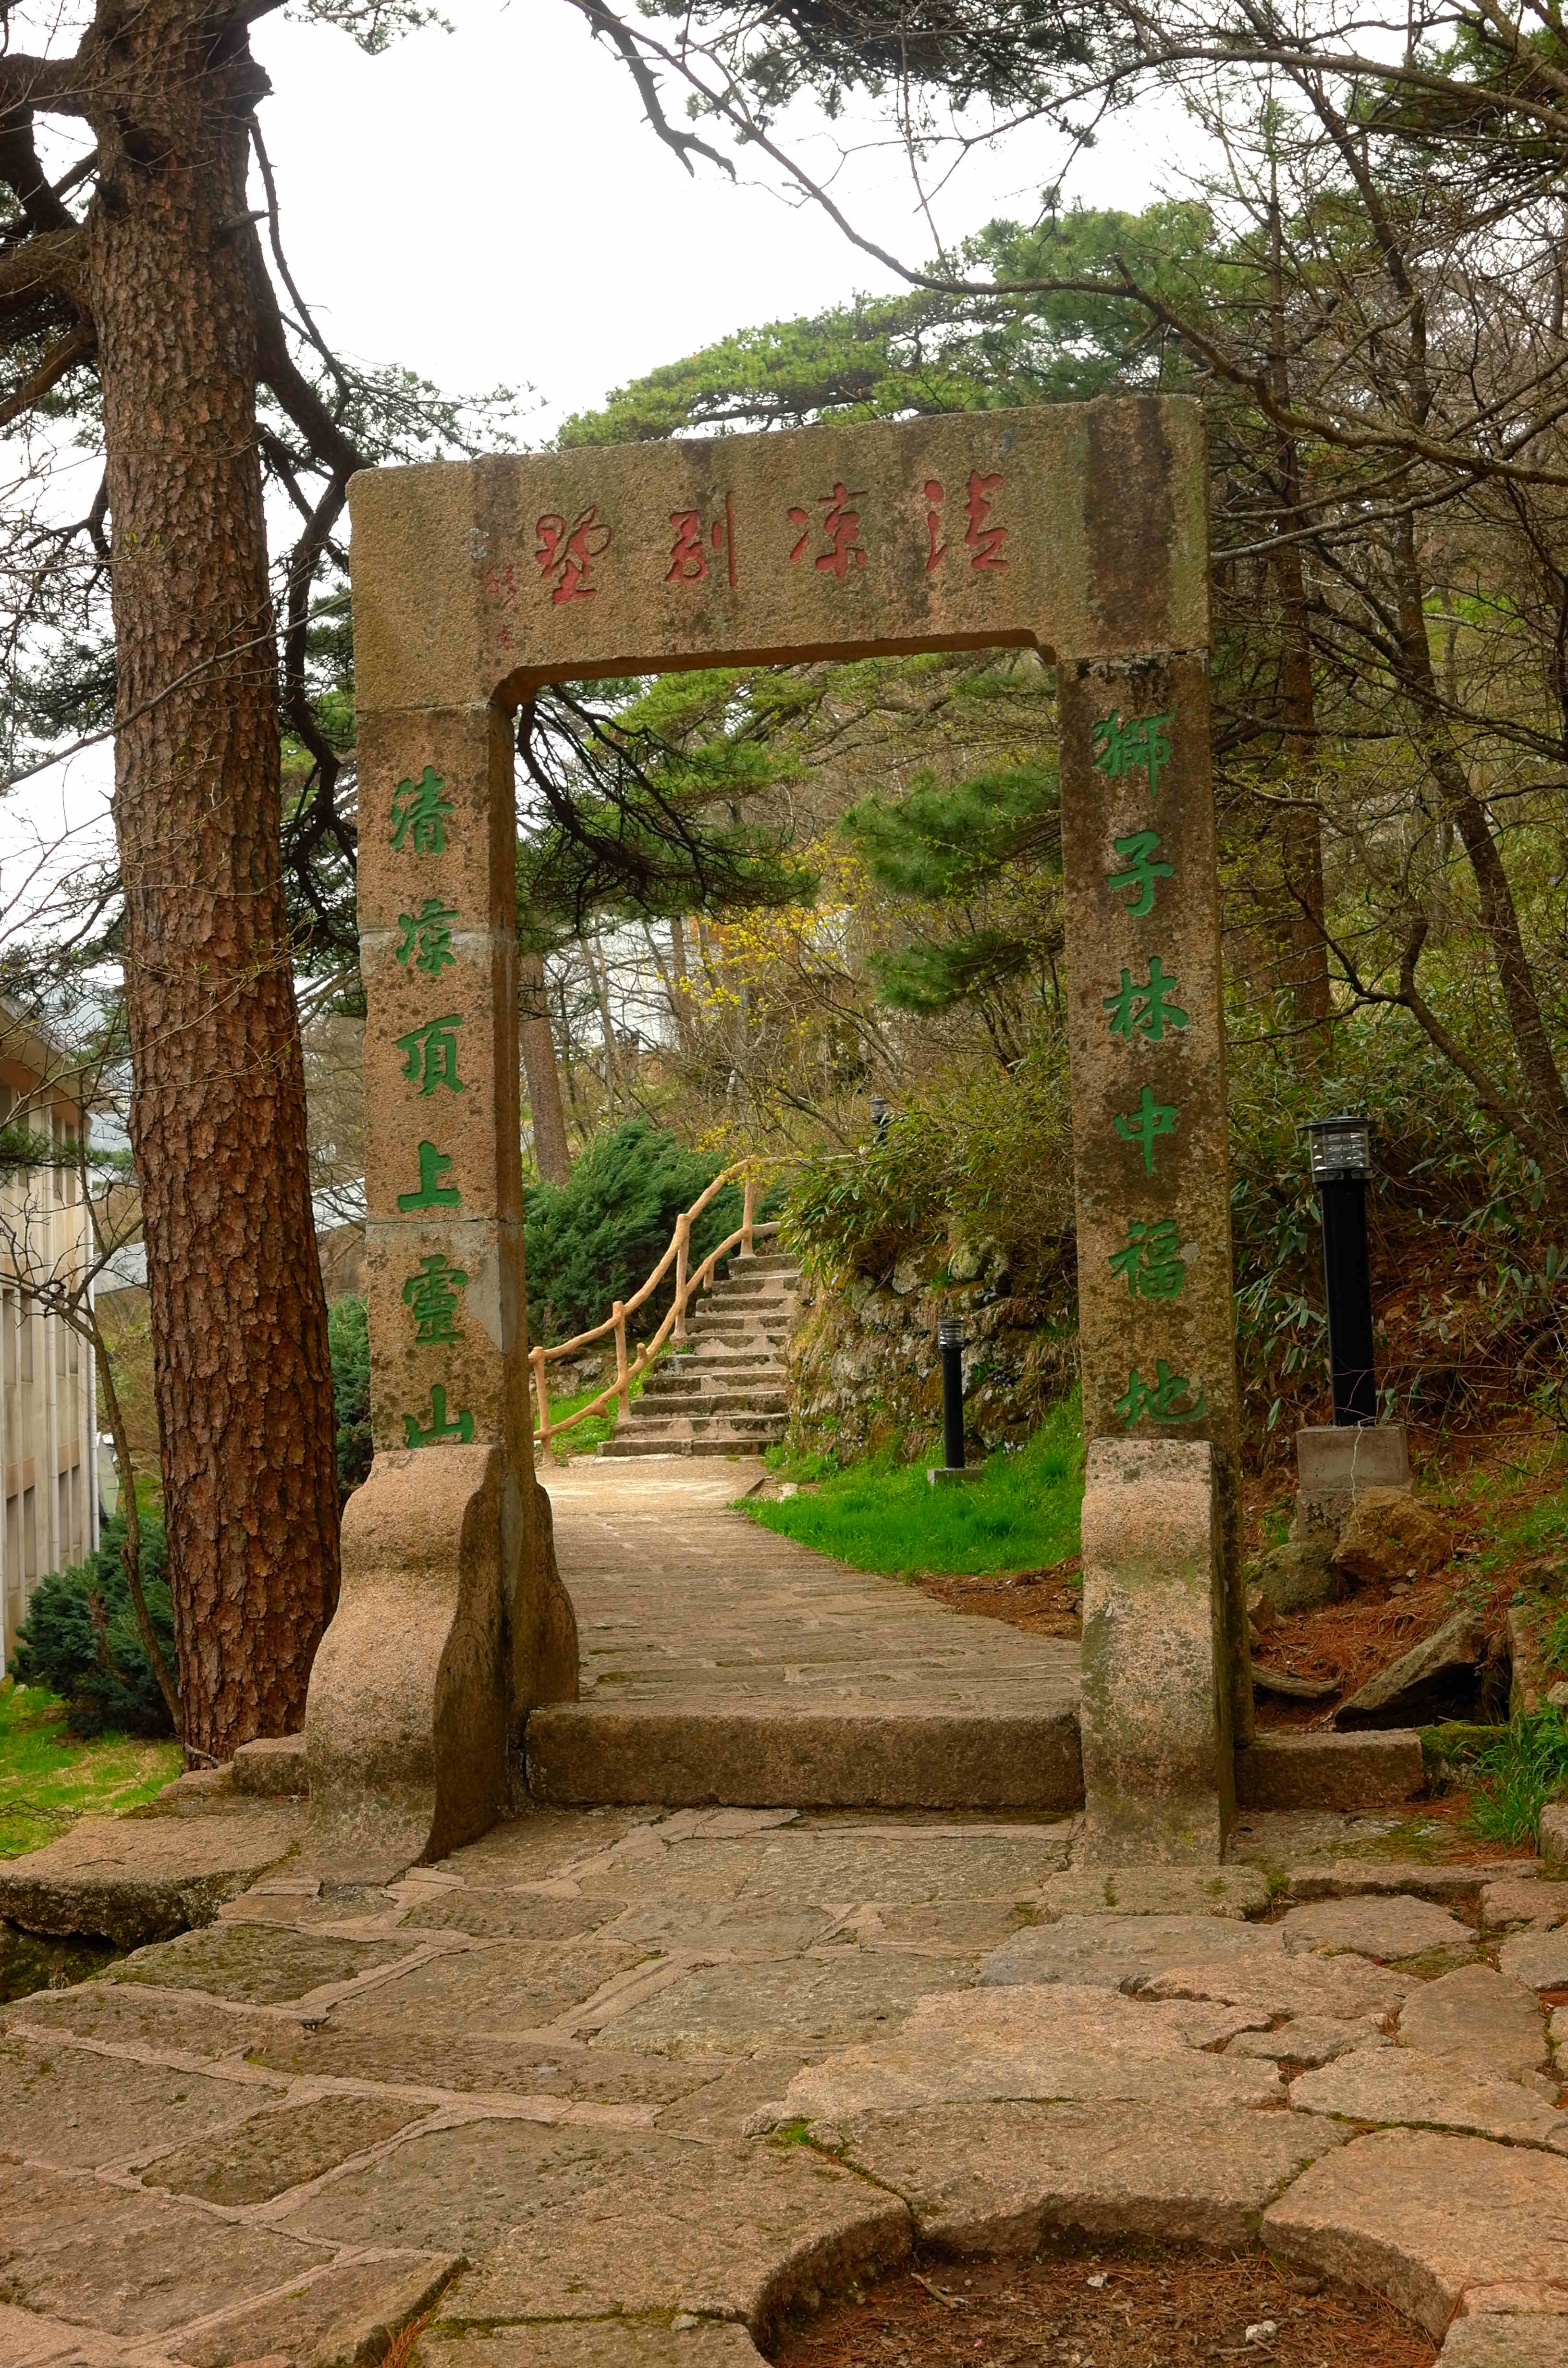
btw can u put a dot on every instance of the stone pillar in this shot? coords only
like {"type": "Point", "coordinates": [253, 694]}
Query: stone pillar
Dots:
{"type": "Point", "coordinates": [1146, 1033]}
{"type": "Point", "coordinates": [451, 1622]}
{"type": "Point", "coordinates": [1157, 1744]}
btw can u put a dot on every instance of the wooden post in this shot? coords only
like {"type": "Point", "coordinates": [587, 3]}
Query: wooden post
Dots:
{"type": "Point", "coordinates": [620, 1373]}
{"type": "Point", "coordinates": [536, 1359]}
{"type": "Point", "coordinates": [683, 1255]}
{"type": "Point", "coordinates": [747, 1212]}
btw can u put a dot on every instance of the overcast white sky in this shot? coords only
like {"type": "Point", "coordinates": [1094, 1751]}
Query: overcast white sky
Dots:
{"type": "Point", "coordinates": [488, 206]}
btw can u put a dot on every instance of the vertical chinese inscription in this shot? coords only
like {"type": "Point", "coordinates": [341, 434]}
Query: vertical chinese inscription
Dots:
{"type": "Point", "coordinates": [1148, 1076]}
{"type": "Point", "coordinates": [420, 813]}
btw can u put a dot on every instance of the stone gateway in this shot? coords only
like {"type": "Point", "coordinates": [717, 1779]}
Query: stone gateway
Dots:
{"type": "Point", "coordinates": [1079, 530]}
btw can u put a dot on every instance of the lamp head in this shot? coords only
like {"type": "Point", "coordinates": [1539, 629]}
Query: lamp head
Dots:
{"type": "Point", "coordinates": [1340, 1149]}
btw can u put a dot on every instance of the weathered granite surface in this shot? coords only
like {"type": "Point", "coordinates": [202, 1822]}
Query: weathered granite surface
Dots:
{"type": "Point", "coordinates": [613, 2088]}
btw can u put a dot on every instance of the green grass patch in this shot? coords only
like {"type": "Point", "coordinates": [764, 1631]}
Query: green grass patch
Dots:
{"type": "Point", "coordinates": [594, 1428]}
{"type": "Point", "coordinates": [1516, 1777]}
{"type": "Point", "coordinates": [48, 1779]}
{"type": "Point", "coordinates": [1022, 1514]}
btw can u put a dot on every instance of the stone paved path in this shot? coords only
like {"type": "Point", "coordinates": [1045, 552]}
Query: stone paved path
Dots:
{"type": "Point", "coordinates": [721, 1660]}
{"type": "Point", "coordinates": [612, 2088]}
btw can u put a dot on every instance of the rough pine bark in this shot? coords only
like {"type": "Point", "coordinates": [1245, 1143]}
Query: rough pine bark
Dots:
{"type": "Point", "coordinates": [217, 1109]}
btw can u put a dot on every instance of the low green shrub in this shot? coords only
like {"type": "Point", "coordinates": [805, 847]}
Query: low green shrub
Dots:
{"type": "Point", "coordinates": [348, 1340]}
{"type": "Point", "coordinates": [1517, 1775]}
{"type": "Point", "coordinates": [81, 1641]}
{"type": "Point", "coordinates": [599, 1236]}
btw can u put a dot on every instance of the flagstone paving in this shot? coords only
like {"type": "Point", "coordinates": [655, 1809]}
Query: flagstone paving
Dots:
{"type": "Point", "coordinates": [721, 1662]}
{"type": "Point", "coordinates": [615, 2089]}
{"type": "Point", "coordinates": [620, 2086]}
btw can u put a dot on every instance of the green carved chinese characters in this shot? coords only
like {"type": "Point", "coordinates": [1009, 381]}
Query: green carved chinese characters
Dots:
{"type": "Point", "coordinates": [1170, 1397]}
{"type": "Point", "coordinates": [458, 1426]}
{"type": "Point", "coordinates": [1138, 851]}
{"type": "Point", "coordinates": [426, 938]}
{"type": "Point", "coordinates": [430, 1055]}
{"type": "Point", "coordinates": [432, 1296]}
{"type": "Point", "coordinates": [1145, 1010]}
{"type": "Point", "coordinates": [420, 813]}
{"type": "Point", "coordinates": [1140, 743]}
{"type": "Point", "coordinates": [1142, 1126]}
{"type": "Point", "coordinates": [431, 1193]}
{"type": "Point", "coordinates": [1151, 1262]}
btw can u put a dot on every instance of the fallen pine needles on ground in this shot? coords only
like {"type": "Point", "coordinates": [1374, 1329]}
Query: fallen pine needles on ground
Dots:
{"type": "Point", "coordinates": [1103, 2306]}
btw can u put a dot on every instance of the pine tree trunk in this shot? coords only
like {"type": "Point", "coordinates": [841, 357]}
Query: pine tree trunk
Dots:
{"type": "Point", "coordinates": [217, 1109]}
{"type": "Point", "coordinates": [550, 1149]}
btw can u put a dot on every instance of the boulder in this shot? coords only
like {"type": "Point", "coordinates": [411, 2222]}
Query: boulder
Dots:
{"type": "Point", "coordinates": [1530, 1679]}
{"type": "Point", "coordinates": [1389, 1535]}
{"type": "Point", "coordinates": [1299, 1575]}
{"type": "Point", "coordinates": [1438, 1679]}
{"type": "Point", "coordinates": [1554, 1834]}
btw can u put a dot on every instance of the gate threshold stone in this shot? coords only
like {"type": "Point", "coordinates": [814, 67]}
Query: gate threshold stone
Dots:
{"type": "Point", "coordinates": [145, 1877]}
{"type": "Point", "coordinates": [772, 1756]}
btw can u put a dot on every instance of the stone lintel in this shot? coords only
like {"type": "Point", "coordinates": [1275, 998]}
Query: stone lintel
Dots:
{"type": "Point", "coordinates": [1079, 527]}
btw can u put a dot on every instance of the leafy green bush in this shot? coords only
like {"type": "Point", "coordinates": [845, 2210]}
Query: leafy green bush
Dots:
{"type": "Point", "coordinates": [993, 1164]}
{"type": "Point", "coordinates": [1516, 1776]}
{"type": "Point", "coordinates": [348, 1339]}
{"type": "Point", "coordinates": [80, 1637]}
{"type": "Point", "coordinates": [1467, 1278]}
{"type": "Point", "coordinates": [598, 1237]}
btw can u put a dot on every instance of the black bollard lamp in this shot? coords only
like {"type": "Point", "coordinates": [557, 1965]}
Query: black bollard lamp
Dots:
{"type": "Point", "coordinates": [1342, 1168]}
{"type": "Point", "coordinates": [950, 1347]}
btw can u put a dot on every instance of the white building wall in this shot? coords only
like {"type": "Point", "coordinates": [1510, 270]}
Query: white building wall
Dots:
{"type": "Point", "coordinates": [48, 1436]}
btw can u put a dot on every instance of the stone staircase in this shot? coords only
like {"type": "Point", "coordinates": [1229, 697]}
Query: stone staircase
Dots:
{"type": "Point", "coordinates": [723, 1395]}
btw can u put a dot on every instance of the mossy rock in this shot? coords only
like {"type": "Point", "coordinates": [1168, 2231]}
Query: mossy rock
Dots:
{"type": "Point", "coordinates": [1449, 1749]}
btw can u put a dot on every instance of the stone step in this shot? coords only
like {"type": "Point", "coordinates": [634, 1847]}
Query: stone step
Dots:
{"type": "Point", "coordinates": [712, 1357]}
{"type": "Point", "coordinates": [762, 1373]}
{"type": "Point", "coordinates": [695, 1404]}
{"type": "Point", "coordinates": [272, 1768]}
{"type": "Point", "coordinates": [717, 1441]}
{"type": "Point", "coordinates": [693, 1423]}
{"type": "Point", "coordinates": [770, 1757]}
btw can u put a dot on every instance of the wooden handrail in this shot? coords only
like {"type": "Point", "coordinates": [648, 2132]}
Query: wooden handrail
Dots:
{"type": "Point", "coordinates": [687, 1285]}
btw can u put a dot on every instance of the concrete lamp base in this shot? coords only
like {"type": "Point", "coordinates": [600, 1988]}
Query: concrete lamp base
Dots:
{"type": "Point", "coordinates": [946, 1475]}
{"type": "Point", "coordinates": [1335, 1465]}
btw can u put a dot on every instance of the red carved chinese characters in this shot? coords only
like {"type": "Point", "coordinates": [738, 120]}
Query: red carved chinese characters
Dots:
{"type": "Point", "coordinates": [981, 536]}
{"type": "Point", "coordinates": [689, 561]}
{"type": "Point", "coordinates": [841, 528]}
{"type": "Point", "coordinates": [566, 552]}
{"type": "Point", "coordinates": [936, 549]}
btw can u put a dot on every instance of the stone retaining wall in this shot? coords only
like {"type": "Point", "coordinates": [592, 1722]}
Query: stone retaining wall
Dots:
{"type": "Point", "coordinates": [863, 1369]}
